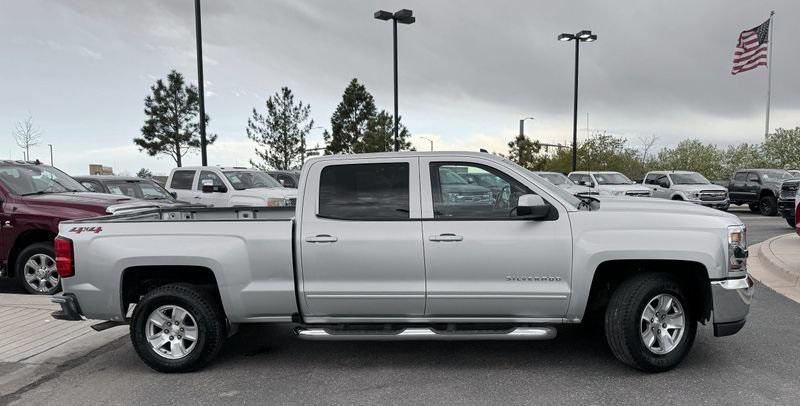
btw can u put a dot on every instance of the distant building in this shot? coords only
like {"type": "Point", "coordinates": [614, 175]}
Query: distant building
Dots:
{"type": "Point", "coordinates": [97, 169]}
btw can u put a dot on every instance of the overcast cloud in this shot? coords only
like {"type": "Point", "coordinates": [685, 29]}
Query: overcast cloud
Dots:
{"type": "Point", "coordinates": [468, 70]}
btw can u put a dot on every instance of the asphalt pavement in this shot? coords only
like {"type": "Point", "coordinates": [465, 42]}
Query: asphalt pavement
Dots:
{"type": "Point", "coordinates": [267, 365]}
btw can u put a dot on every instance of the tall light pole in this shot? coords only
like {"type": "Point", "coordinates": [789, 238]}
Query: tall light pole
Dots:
{"type": "Point", "coordinates": [429, 140]}
{"type": "Point", "coordinates": [51, 154]}
{"type": "Point", "coordinates": [403, 16]}
{"type": "Point", "coordinates": [522, 125]}
{"type": "Point", "coordinates": [582, 36]}
{"type": "Point", "coordinates": [199, 37]}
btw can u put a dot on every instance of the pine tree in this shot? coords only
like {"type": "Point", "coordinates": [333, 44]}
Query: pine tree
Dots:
{"type": "Point", "coordinates": [144, 173]}
{"type": "Point", "coordinates": [379, 136]}
{"type": "Point", "coordinates": [280, 132]}
{"type": "Point", "coordinates": [349, 121]}
{"type": "Point", "coordinates": [172, 124]}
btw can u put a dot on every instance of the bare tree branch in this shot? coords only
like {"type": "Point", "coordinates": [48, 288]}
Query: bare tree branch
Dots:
{"type": "Point", "coordinates": [26, 135]}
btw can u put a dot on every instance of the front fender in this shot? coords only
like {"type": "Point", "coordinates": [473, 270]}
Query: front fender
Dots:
{"type": "Point", "coordinates": [592, 248]}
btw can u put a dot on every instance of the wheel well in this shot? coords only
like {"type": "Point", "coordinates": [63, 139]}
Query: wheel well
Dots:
{"type": "Point", "coordinates": [137, 281]}
{"type": "Point", "coordinates": [24, 240]}
{"type": "Point", "coordinates": [766, 192]}
{"type": "Point", "coordinates": [693, 276]}
{"type": "Point", "coordinates": [677, 197]}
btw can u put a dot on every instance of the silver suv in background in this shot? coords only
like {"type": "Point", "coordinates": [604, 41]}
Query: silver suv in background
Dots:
{"type": "Point", "coordinates": [609, 183]}
{"type": "Point", "coordinates": [562, 181]}
{"type": "Point", "coordinates": [689, 186]}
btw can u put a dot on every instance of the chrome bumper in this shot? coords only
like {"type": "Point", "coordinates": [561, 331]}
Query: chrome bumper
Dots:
{"type": "Point", "coordinates": [732, 299]}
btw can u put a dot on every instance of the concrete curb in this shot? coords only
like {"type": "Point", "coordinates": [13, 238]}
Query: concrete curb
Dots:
{"type": "Point", "coordinates": [770, 270]}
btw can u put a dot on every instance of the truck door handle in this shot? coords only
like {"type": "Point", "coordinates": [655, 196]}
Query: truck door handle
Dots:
{"type": "Point", "coordinates": [322, 238]}
{"type": "Point", "coordinates": [446, 237]}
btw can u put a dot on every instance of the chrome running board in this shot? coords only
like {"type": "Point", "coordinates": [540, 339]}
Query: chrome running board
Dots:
{"type": "Point", "coordinates": [424, 333]}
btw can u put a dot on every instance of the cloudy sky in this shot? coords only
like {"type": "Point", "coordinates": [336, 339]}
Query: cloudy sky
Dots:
{"type": "Point", "coordinates": [468, 70]}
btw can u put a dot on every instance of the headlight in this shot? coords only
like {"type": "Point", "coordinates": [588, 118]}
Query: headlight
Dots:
{"type": "Point", "coordinates": [737, 248]}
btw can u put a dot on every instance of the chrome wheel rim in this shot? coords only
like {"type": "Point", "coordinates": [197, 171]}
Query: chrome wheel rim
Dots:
{"type": "Point", "coordinates": [662, 324]}
{"type": "Point", "coordinates": [171, 331]}
{"type": "Point", "coordinates": [40, 273]}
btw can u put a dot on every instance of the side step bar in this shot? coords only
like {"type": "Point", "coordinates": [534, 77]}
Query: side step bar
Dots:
{"type": "Point", "coordinates": [424, 333]}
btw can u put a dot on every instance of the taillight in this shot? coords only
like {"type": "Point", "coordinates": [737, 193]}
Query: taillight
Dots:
{"type": "Point", "coordinates": [65, 261]}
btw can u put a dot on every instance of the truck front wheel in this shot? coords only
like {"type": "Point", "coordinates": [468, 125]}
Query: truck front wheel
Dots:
{"type": "Point", "coordinates": [768, 206]}
{"type": "Point", "coordinates": [36, 269]}
{"type": "Point", "coordinates": [649, 324]}
{"type": "Point", "coordinates": [177, 328]}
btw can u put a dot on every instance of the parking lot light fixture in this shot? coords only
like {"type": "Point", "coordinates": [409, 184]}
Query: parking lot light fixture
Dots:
{"type": "Point", "coordinates": [404, 16]}
{"type": "Point", "coordinates": [581, 36]}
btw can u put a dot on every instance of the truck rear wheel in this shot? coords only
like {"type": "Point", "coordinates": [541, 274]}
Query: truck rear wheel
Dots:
{"type": "Point", "coordinates": [754, 207]}
{"type": "Point", "coordinates": [36, 269]}
{"type": "Point", "coordinates": [177, 328]}
{"type": "Point", "coordinates": [649, 324]}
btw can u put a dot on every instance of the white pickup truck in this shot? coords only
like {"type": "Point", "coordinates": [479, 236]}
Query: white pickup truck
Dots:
{"type": "Point", "coordinates": [380, 247]}
{"type": "Point", "coordinates": [216, 186]}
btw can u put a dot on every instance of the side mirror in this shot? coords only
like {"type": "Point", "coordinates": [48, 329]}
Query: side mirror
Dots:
{"type": "Point", "coordinates": [532, 207]}
{"type": "Point", "coordinates": [209, 187]}
{"type": "Point", "coordinates": [174, 195]}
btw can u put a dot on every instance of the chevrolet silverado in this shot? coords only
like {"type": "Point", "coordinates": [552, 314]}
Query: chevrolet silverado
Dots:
{"type": "Point", "coordinates": [380, 248]}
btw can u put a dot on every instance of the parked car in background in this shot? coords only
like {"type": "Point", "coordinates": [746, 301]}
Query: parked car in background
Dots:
{"type": "Point", "coordinates": [758, 188]}
{"type": "Point", "coordinates": [138, 188]}
{"type": "Point", "coordinates": [787, 201]}
{"type": "Point", "coordinates": [378, 251]}
{"type": "Point", "coordinates": [288, 179]}
{"type": "Point", "coordinates": [794, 172]}
{"type": "Point", "coordinates": [217, 186]}
{"type": "Point", "coordinates": [35, 198]}
{"type": "Point", "coordinates": [562, 181]}
{"type": "Point", "coordinates": [609, 183]}
{"type": "Point", "coordinates": [688, 186]}
{"type": "Point", "coordinates": [456, 189]}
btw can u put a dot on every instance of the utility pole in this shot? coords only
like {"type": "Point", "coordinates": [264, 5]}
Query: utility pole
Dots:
{"type": "Point", "coordinates": [51, 154]}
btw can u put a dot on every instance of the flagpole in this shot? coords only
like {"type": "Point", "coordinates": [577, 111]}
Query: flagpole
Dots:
{"type": "Point", "coordinates": [769, 72]}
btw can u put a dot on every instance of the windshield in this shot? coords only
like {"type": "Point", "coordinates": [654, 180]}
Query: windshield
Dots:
{"type": "Point", "coordinates": [556, 178]}
{"type": "Point", "coordinates": [776, 174]}
{"type": "Point", "coordinates": [139, 189]}
{"type": "Point", "coordinates": [692, 178]}
{"type": "Point", "coordinates": [612, 178]}
{"type": "Point", "coordinates": [245, 179]}
{"type": "Point", "coordinates": [37, 179]}
{"type": "Point", "coordinates": [448, 177]}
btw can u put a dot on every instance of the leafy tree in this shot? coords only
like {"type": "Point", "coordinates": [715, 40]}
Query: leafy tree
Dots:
{"type": "Point", "coordinates": [601, 152]}
{"type": "Point", "coordinates": [281, 132]}
{"type": "Point", "coordinates": [144, 173]}
{"type": "Point", "coordinates": [525, 152]}
{"type": "Point", "coordinates": [740, 157]}
{"type": "Point", "coordinates": [693, 155]}
{"type": "Point", "coordinates": [172, 124]}
{"type": "Point", "coordinates": [782, 148]}
{"type": "Point", "coordinates": [350, 120]}
{"type": "Point", "coordinates": [379, 135]}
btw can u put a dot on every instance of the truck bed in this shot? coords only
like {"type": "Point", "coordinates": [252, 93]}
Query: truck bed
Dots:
{"type": "Point", "coordinates": [248, 250]}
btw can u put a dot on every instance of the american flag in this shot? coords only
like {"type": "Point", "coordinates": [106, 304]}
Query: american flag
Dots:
{"type": "Point", "coordinates": [751, 51]}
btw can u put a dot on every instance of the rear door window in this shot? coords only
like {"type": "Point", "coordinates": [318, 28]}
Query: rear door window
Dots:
{"type": "Point", "coordinates": [365, 192]}
{"type": "Point", "coordinates": [182, 180]}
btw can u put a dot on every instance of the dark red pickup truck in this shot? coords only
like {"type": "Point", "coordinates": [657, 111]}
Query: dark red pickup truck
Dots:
{"type": "Point", "coordinates": [35, 198]}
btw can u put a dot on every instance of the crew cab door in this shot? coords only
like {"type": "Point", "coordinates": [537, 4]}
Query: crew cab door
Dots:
{"type": "Point", "coordinates": [181, 183]}
{"type": "Point", "coordinates": [737, 190]}
{"type": "Point", "coordinates": [219, 197]}
{"type": "Point", "coordinates": [360, 241]}
{"type": "Point", "coordinates": [481, 259]}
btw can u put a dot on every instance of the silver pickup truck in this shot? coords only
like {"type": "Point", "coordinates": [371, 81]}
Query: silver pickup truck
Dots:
{"type": "Point", "coordinates": [380, 247]}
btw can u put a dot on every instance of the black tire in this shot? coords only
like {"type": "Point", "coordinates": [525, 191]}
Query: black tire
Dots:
{"type": "Point", "coordinates": [40, 252]}
{"type": "Point", "coordinates": [791, 222]}
{"type": "Point", "coordinates": [725, 207]}
{"type": "Point", "coordinates": [754, 207]}
{"type": "Point", "coordinates": [623, 322]}
{"type": "Point", "coordinates": [768, 206]}
{"type": "Point", "coordinates": [201, 305]}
